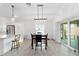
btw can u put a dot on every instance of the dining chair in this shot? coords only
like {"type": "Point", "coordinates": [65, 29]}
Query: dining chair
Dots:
{"type": "Point", "coordinates": [46, 43]}
{"type": "Point", "coordinates": [33, 37]}
{"type": "Point", "coordinates": [45, 40]}
{"type": "Point", "coordinates": [15, 42]}
{"type": "Point", "coordinates": [38, 39]}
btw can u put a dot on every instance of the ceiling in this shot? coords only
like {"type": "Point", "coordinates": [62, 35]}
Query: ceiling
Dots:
{"type": "Point", "coordinates": [53, 11]}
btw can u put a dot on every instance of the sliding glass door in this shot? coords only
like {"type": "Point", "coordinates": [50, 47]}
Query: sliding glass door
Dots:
{"type": "Point", "coordinates": [68, 33]}
{"type": "Point", "coordinates": [73, 40]}
{"type": "Point", "coordinates": [64, 32]}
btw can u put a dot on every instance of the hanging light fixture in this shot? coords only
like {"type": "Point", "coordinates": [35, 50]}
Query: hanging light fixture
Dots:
{"type": "Point", "coordinates": [13, 18]}
{"type": "Point", "coordinates": [28, 4]}
{"type": "Point", "coordinates": [40, 17]}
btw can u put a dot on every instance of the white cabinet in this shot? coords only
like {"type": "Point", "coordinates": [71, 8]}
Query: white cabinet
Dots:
{"type": "Point", "coordinates": [1, 46]}
{"type": "Point", "coordinates": [5, 44]}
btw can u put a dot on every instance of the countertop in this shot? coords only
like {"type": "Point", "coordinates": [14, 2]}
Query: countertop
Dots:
{"type": "Point", "coordinates": [6, 36]}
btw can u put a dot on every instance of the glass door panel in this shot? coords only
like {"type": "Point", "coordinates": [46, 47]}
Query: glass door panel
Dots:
{"type": "Point", "coordinates": [73, 40]}
{"type": "Point", "coordinates": [64, 32]}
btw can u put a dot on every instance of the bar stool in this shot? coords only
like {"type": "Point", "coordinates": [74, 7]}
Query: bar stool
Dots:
{"type": "Point", "coordinates": [15, 43]}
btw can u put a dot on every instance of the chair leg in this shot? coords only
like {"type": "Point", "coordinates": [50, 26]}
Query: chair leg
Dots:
{"type": "Point", "coordinates": [32, 44]}
{"type": "Point", "coordinates": [45, 48]}
{"type": "Point", "coordinates": [12, 46]}
{"type": "Point", "coordinates": [46, 45]}
{"type": "Point", "coordinates": [41, 45]}
{"type": "Point", "coordinates": [16, 44]}
{"type": "Point", "coordinates": [36, 46]}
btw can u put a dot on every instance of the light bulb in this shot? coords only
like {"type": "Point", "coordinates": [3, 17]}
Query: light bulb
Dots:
{"type": "Point", "coordinates": [12, 19]}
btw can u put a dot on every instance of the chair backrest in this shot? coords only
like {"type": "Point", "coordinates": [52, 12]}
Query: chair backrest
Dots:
{"type": "Point", "coordinates": [17, 37]}
{"type": "Point", "coordinates": [45, 36]}
{"type": "Point", "coordinates": [38, 38]}
{"type": "Point", "coordinates": [33, 36]}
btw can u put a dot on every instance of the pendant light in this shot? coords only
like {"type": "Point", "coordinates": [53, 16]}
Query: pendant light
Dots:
{"type": "Point", "coordinates": [13, 18]}
{"type": "Point", "coordinates": [40, 15]}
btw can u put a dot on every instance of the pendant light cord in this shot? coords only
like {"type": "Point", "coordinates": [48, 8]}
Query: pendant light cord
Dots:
{"type": "Point", "coordinates": [42, 11]}
{"type": "Point", "coordinates": [40, 14]}
{"type": "Point", "coordinates": [12, 11]}
{"type": "Point", "coordinates": [38, 11]}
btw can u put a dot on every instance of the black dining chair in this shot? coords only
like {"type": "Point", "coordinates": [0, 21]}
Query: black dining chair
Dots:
{"type": "Point", "coordinates": [46, 44]}
{"type": "Point", "coordinates": [44, 37]}
{"type": "Point", "coordinates": [38, 39]}
{"type": "Point", "coordinates": [33, 39]}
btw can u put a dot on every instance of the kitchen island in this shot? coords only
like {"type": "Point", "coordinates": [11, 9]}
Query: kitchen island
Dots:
{"type": "Point", "coordinates": [5, 43]}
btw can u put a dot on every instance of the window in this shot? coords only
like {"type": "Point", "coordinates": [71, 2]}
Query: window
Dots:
{"type": "Point", "coordinates": [40, 26]}
{"type": "Point", "coordinates": [2, 29]}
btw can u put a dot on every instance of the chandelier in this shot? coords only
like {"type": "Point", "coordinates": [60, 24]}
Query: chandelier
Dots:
{"type": "Point", "coordinates": [40, 13]}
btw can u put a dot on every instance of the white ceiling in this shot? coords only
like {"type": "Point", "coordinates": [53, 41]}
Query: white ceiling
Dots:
{"type": "Point", "coordinates": [54, 11]}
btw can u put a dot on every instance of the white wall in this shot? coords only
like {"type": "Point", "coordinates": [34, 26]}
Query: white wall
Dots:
{"type": "Point", "coordinates": [49, 29]}
{"type": "Point", "coordinates": [19, 29]}
{"type": "Point", "coordinates": [26, 27]}
{"type": "Point", "coordinates": [1, 46]}
{"type": "Point", "coordinates": [29, 27]}
{"type": "Point", "coordinates": [56, 32]}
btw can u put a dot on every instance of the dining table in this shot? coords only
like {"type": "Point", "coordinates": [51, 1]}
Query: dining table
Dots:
{"type": "Point", "coordinates": [44, 37]}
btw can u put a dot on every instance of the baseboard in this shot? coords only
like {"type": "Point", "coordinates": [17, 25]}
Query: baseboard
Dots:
{"type": "Point", "coordinates": [56, 41]}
